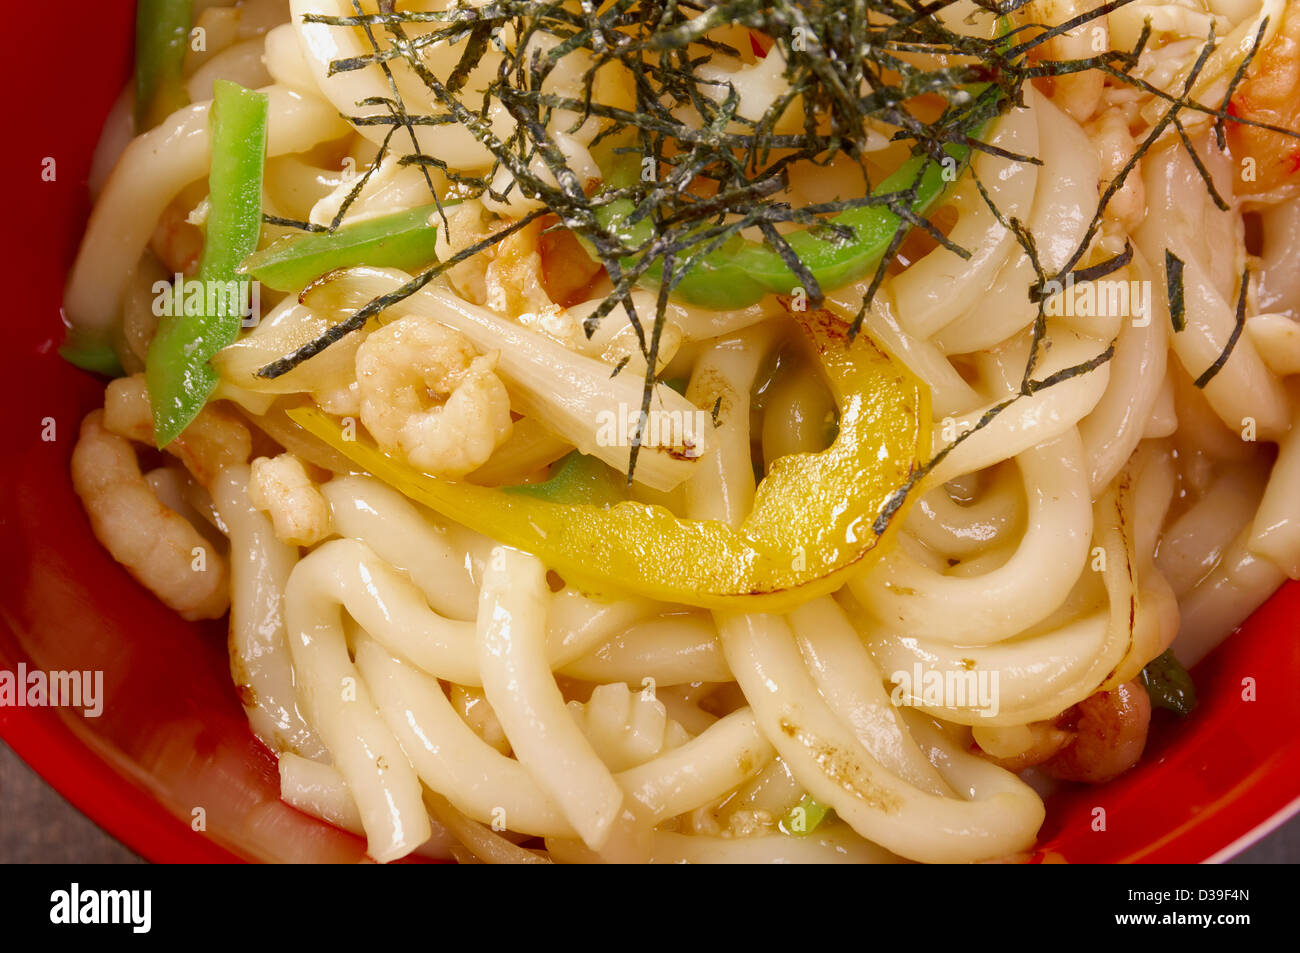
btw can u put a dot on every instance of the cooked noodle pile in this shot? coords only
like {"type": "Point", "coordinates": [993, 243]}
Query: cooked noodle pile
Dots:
{"type": "Point", "coordinates": [435, 691]}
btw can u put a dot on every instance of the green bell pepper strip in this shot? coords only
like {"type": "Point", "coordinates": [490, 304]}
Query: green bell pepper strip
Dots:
{"type": "Point", "coordinates": [1169, 684]}
{"type": "Point", "coordinates": [177, 367]}
{"type": "Point", "coordinates": [814, 812]}
{"type": "Point", "coordinates": [406, 240]}
{"type": "Point", "coordinates": [162, 31]}
{"type": "Point", "coordinates": [742, 272]}
{"type": "Point", "coordinates": [816, 516]}
{"type": "Point", "coordinates": [735, 275]}
{"type": "Point", "coordinates": [81, 351]}
{"type": "Point", "coordinates": [577, 478]}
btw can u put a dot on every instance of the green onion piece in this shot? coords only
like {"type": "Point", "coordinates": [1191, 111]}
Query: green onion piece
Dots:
{"type": "Point", "coordinates": [1169, 684]}
{"type": "Point", "coordinates": [162, 31]}
{"type": "Point", "coordinates": [406, 240]}
{"type": "Point", "coordinates": [177, 367]}
{"type": "Point", "coordinates": [804, 817]}
{"type": "Point", "coordinates": [577, 478]}
{"type": "Point", "coordinates": [90, 355]}
{"type": "Point", "coordinates": [678, 384]}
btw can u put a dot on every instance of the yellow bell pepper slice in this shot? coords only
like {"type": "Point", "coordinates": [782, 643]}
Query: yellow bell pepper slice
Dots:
{"type": "Point", "coordinates": [816, 516]}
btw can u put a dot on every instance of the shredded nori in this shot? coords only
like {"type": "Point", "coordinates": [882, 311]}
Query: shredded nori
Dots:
{"type": "Point", "coordinates": [1174, 288]}
{"type": "Point", "coordinates": [292, 223]}
{"type": "Point", "coordinates": [1239, 323]}
{"type": "Point", "coordinates": [851, 66]}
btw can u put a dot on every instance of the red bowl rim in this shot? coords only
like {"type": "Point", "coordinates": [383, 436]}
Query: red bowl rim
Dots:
{"type": "Point", "coordinates": [50, 746]}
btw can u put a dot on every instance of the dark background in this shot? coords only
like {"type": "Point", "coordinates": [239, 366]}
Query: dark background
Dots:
{"type": "Point", "coordinates": [38, 826]}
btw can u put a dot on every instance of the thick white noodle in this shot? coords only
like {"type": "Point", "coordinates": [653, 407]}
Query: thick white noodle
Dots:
{"type": "Point", "coordinates": [671, 651]}
{"type": "Point", "coordinates": [319, 790]}
{"type": "Point", "coordinates": [518, 682]}
{"type": "Point", "coordinates": [1027, 421]}
{"type": "Point", "coordinates": [988, 608]}
{"type": "Point", "coordinates": [1276, 530]}
{"type": "Point", "coordinates": [321, 44]}
{"type": "Point", "coordinates": [490, 787]}
{"type": "Point", "coordinates": [336, 702]}
{"type": "Point", "coordinates": [259, 650]}
{"type": "Point", "coordinates": [1063, 199]}
{"type": "Point", "coordinates": [854, 688]}
{"type": "Point", "coordinates": [1223, 599]}
{"type": "Point", "coordinates": [1244, 388]}
{"type": "Point", "coordinates": [347, 573]}
{"type": "Point", "coordinates": [829, 844]}
{"type": "Point", "coordinates": [824, 753]}
{"type": "Point", "coordinates": [928, 293]}
{"type": "Point", "coordinates": [1117, 423]}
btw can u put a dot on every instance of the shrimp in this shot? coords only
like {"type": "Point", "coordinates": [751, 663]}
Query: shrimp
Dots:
{"type": "Point", "coordinates": [515, 284]}
{"type": "Point", "coordinates": [1115, 147]}
{"type": "Point", "coordinates": [467, 225]}
{"type": "Point", "coordinates": [513, 279]}
{"type": "Point", "coordinates": [1022, 746]}
{"type": "Point", "coordinates": [567, 271]}
{"type": "Point", "coordinates": [158, 546]}
{"type": "Point", "coordinates": [532, 276]}
{"type": "Point", "coordinates": [343, 400]}
{"type": "Point", "coordinates": [215, 438]}
{"type": "Point", "coordinates": [280, 487]}
{"type": "Point", "coordinates": [1270, 94]}
{"type": "Point", "coordinates": [1077, 93]}
{"type": "Point", "coordinates": [1110, 731]}
{"type": "Point", "coordinates": [404, 363]}
{"type": "Point", "coordinates": [177, 240]}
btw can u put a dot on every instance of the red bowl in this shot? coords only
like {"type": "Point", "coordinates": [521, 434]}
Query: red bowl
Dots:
{"type": "Point", "coordinates": [170, 767]}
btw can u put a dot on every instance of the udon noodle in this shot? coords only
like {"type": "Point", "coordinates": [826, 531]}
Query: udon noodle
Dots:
{"type": "Point", "coordinates": [434, 690]}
